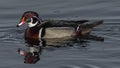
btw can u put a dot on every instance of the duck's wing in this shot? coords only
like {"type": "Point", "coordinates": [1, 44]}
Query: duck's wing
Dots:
{"type": "Point", "coordinates": [62, 23]}
{"type": "Point", "coordinates": [85, 24]}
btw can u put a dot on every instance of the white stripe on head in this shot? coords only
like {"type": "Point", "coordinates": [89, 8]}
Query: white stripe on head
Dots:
{"type": "Point", "coordinates": [30, 24]}
{"type": "Point", "coordinates": [31, 19]}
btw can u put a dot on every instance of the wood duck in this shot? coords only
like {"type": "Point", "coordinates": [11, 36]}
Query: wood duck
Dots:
{"type": "Point", "coordinates": [54, 30]}
{"type": "Point", "coordinates": [51, 32]}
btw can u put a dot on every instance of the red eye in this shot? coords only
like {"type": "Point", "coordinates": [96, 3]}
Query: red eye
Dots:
{"type": "Point", "coordinates": [27, 16]}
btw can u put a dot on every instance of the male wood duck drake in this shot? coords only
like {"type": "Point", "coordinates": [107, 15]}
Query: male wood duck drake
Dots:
{"type": "Point", "coordinates": [51, 32]}
{"type": "Point", "coordinates": [54, 30]}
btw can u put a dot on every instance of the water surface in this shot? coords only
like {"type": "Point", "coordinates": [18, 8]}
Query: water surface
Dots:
{"type": "Point", "coordinates": [95, 55]}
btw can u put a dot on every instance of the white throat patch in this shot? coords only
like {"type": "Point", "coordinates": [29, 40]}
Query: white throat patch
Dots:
{"type": "Point", "coordinates": [30, 24]}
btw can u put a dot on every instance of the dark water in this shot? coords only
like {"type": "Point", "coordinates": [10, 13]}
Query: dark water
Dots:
{"type": "Point", "coordinates": [96, 55]}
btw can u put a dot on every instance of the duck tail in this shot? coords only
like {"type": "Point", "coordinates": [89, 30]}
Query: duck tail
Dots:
{"type": "Point", "coordinates": [92, 24]}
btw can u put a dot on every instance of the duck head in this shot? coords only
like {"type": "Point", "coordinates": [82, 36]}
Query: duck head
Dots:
{"type": "Point", "coordinates": [31, 18]}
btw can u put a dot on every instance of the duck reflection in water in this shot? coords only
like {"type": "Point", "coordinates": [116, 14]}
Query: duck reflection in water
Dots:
{"type": "Point", "coordinates": [32, 55]}
{"type": "Point", "coordinates": [41, 33]}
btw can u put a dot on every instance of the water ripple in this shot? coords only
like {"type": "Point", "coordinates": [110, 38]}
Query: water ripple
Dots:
{"type": "Point", "coordinates": [81, 66]}
{"type": "Point", "coordinates": [97, 55]}
{"type": "Point", "coordinates": [11, 35]}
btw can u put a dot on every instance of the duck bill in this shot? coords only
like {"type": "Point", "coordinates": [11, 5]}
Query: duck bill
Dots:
{"type": "Point", "coordinates": [22, 22]}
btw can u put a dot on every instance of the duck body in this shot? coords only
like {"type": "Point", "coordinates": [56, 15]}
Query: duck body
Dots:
{"type": "Point", "coordinates": [54, 30]}
{"type": "Point", "coordinates": [40, 33]}
{"type": "Point", "coordinates": [55, 34]}
{"type": "Point", "coordinates": [50, 35]}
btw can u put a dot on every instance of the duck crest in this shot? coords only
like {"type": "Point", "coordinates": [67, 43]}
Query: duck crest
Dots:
{"type": "Point", "coordinates": [29, 14]}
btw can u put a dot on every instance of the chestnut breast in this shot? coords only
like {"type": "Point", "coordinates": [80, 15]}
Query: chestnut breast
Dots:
{"type": "Point", "coordinates": [32, 34]}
